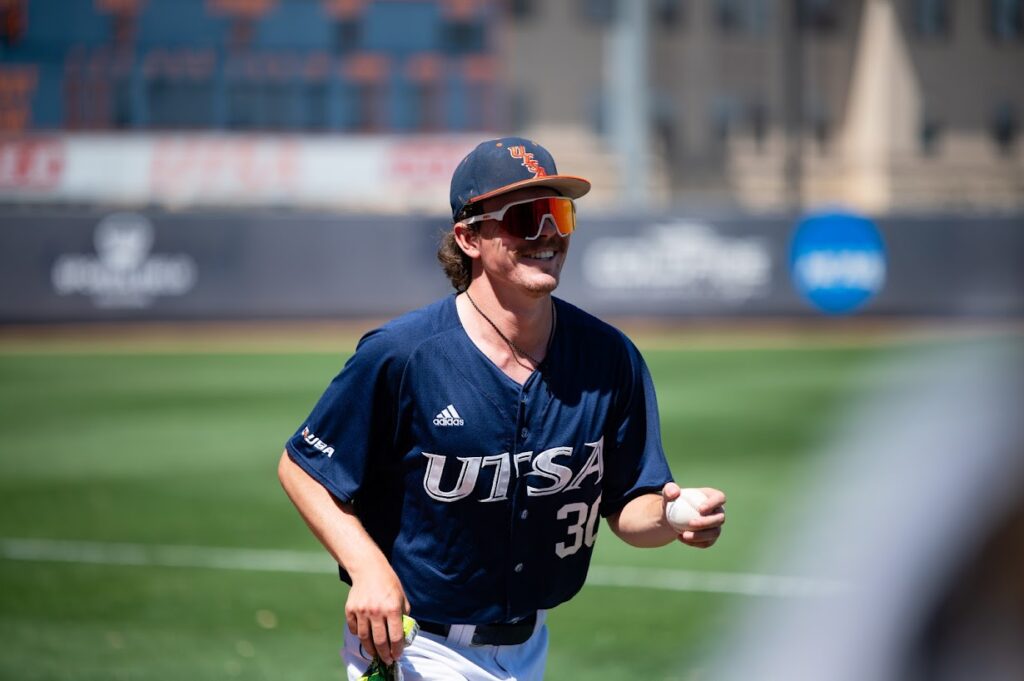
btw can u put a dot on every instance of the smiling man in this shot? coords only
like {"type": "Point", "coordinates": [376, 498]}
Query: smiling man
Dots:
{"type": "Point", "coordinates": [458, 467]}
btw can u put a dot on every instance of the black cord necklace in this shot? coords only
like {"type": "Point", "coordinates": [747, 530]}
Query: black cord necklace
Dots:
{"type": "Point", "coordinates": [516, 350]}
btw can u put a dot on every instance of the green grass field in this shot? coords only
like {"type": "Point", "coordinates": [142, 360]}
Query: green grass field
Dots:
{"type": "Point", "coordinates": [162, 448]}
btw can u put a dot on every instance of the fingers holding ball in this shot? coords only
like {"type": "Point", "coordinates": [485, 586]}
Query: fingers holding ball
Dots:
{"type": "Point", "coordinates": [682, 511]}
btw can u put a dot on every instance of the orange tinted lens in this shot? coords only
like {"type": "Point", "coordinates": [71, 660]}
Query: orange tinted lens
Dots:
{"type": "Point", "coordinates": [525, 220]}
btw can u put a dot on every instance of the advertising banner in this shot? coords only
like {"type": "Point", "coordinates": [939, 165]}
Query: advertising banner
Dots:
{"type": "Point", "coordinates": [124, 265]}
{"type": "Point", "coordinates": [373, 174]}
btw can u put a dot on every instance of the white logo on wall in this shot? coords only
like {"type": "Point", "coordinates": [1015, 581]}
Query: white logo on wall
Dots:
{"type": "Point", "coordinates": [124, 273]}
{"type": "Point", "coordinates": [680, 259]}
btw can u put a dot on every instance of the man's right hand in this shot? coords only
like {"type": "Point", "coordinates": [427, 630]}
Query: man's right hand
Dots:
{"type": "Point", "coordinates": [374, 609]}
{"type": "Point", "coordinates": [376, 601]}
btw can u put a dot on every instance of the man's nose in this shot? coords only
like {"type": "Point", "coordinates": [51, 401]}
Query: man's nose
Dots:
{"type": "Point", "coordinates": [547, 227]}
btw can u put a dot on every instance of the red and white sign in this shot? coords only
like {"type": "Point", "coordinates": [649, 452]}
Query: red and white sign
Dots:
{"type": "Point", "coordinates": [225, 169]}
{"type": "Point", "coordinates": [423, 162]}
{"type": "Point", "coordinates": [384, 174]}
{"type": "Point", "coordinates": [31, 164]}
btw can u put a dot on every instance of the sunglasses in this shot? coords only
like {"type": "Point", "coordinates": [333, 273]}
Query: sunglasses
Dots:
{"type": "Point", "coordinates": [525, 219]}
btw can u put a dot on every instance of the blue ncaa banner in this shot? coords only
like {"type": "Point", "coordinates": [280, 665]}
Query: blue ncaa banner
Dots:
{"type": "Point", "coordinates": [837, 261]}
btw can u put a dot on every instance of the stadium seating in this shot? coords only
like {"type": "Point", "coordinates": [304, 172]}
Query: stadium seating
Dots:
{"type": "Point", "coordinates": [52, 25]}
{"type": "Point", "coordinates": [295, 25]}
{"type": "Point", "coordinates": [289, 65]}
{"type": "Point", "coordinates": [182, 23]}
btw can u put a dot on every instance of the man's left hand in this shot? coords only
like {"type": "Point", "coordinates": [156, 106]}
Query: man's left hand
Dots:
{"type": "Point", "coordinates": [706, 529]}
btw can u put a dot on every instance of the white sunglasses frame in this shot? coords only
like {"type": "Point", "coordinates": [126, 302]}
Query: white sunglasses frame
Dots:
{"type": "Point", "coordinates": [497, 215]}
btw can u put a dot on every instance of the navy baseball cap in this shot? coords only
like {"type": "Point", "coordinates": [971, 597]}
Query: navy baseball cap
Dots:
{"type": "Point", "coordinates": [504, 165]}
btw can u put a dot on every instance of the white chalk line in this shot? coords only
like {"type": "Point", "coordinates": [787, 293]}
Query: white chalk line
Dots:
{"type": "Point", "coordinates": [271, 560]}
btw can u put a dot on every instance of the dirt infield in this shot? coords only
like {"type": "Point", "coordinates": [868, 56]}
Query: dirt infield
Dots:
{"type": "Point", "coordinates": [286, 336]}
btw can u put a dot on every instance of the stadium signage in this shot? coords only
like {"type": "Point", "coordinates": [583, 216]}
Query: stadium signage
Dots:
{"type": "Point", "coordinates": [31, 164]}
{"type": "Point", "coordinates": [837, 261]}
{"type": "Point", "coordinates": [370, 173]}
{"type": "Point", "coordinates": [681, 259]}
{"type": "Point", "coordinates": [123, 273]}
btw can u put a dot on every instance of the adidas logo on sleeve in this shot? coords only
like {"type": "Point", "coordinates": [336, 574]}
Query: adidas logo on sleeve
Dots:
{"type": "Point", "coordinates": [448, 417]}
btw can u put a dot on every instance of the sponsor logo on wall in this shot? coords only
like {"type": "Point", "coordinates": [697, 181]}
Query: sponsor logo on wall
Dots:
{"type": "Point", "coordinates": [124, 272]}
{"type": "Point", "coordinates": [680, 259]}
{"type": "Point", "coordinates": [837, 261]}
{"type": "Point", "coordinates": [35, 164]}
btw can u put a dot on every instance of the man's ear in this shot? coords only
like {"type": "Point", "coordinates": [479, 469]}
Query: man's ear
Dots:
{"type": "Point", "coordinates": [467, 238]}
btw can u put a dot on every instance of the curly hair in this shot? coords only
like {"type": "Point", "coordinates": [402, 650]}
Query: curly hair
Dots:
{"type": "Point", "coordinates": [456, 264]}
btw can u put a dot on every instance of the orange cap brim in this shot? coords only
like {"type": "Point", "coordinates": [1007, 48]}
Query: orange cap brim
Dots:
{"type": "Point", "coordinates": [566, 185]}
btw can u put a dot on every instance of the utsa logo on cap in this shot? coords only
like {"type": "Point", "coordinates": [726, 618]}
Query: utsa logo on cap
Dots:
{"type": "Point", "coordinates": [529, 162]}
{"type": "Point", "coordinates": [503, 165]}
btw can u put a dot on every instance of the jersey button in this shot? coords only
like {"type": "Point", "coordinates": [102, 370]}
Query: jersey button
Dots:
{"type": "Point", "coordinates": [518, 567]}
{"type": "Point", "coordinates": [523, 433]}
{"type": "Point", "coordinates": [524, 514]}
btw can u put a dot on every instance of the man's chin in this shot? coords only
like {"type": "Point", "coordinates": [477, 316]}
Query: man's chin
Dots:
{"type": "Point", "coordinates": [540, 277]}
{"type": "Point", "coordinates": [541, 284]}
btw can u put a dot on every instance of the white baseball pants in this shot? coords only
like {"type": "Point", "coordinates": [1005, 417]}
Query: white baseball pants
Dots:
{"type": "Point", "coordinates": [435, 658]}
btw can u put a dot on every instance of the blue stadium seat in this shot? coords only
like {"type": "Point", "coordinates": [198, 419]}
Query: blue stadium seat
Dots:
{"type": "Point", "coordinates": [457, 95]}
{"type": "Point", "coordinates": [47, 103]}
{"type": "Point", "coordinates": [295, 25]}
{"type": "Point", "coordinates": [55, 25]}
{"type": "Point", "coordinates": [402, 27]}
{"type": "Point", "coordinates": [180, 23]}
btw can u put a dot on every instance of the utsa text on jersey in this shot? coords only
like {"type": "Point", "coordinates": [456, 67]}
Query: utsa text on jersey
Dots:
{"type": "Point", "coordinates": [558, 476]}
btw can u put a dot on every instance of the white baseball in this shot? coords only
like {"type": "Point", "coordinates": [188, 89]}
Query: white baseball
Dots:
{"type": "Point", "coordinates": [680, 512]}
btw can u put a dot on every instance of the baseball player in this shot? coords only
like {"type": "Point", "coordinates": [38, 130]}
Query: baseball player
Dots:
{"type": "Point", "coordinates": [459, 465]}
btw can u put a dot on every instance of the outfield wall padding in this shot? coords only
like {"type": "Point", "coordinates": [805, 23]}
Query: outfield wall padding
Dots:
{"type": "Point", "coordinates": [107, 265]}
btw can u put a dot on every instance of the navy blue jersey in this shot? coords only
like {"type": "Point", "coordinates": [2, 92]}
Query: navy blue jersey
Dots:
{"type": "Point", "coordinates": [484, 494]}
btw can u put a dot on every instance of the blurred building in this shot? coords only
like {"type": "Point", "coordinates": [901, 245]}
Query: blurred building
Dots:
{"type": "Point", "coordinates": [887, 105]}
{"type": "Point", "coordinates": [762, 105]}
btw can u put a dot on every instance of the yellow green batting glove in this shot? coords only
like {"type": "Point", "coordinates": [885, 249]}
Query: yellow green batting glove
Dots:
{"type": "Point", "coordinates": [378, 671]}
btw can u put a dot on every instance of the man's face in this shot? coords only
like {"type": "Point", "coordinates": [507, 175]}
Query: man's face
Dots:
{"type": "Point", "coordinates": [531, 265]}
